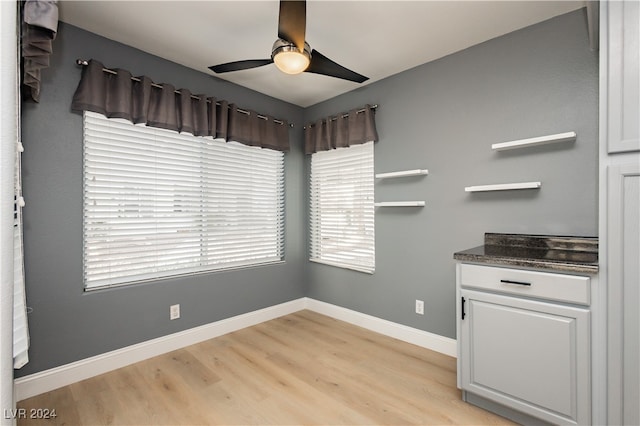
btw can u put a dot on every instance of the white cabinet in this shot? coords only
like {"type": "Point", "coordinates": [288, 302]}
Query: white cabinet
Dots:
{"type": "Point", "coordinates": [524, 341]}
{"type": "Point", "coordinates": [623, 278]}
{"type": "Point", "coordinates": [619, 63]}
{"type": "Point", "coordinates": [619, 231]}
{"type": "Point", "coordinates": [530, 356]}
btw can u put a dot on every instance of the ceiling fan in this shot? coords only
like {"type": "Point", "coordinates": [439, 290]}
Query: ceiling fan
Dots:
{"type": "Point", "coordinates": [290, 52]}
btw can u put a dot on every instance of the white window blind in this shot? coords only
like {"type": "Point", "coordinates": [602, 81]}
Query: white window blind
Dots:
{"type": "Point", "coordinates": [342, 229]}
{"type": "Point", "coordinates": [158, 203]}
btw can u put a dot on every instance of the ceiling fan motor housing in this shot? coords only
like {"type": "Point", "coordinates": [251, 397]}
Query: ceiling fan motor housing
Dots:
{"type": "Point", "coordinates": [288, 58]}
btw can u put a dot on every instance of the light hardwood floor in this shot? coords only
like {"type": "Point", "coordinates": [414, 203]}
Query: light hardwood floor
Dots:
{"type": "Point", "coordinates": [303, 368]}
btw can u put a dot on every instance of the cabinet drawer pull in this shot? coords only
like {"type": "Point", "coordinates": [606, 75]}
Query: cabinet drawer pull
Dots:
{"type": "Point", "coordinates": [514, 282]}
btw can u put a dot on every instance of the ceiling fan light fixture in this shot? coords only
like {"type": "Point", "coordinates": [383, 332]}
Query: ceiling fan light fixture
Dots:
{"type": "Point", "coordinates": [289, 59]}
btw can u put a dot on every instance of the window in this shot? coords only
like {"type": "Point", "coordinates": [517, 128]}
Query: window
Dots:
{"type": "Point", "coordinates": [342, 210]}
{"type": "Point", "coordinates": [159, 203]}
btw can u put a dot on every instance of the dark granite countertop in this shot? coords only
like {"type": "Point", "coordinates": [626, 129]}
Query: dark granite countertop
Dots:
{"type": "Point", "coordinates": [554, 253]}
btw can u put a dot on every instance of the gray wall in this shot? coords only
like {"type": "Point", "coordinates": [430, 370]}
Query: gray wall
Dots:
{"type": "Point", "coordinates": [68, 324]}
{"type": "Point", "coordinates": [444, 116]}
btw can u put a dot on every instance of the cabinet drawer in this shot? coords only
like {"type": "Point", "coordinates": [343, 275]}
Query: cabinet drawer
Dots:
{"type": "Point", "coordinates": [544, 285]}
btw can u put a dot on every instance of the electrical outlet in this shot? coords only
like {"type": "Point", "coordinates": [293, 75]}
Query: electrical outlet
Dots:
{"type": "Point", "coordinates": [174, 312]}
{"type": "Point", "coordinates": [419, 307]}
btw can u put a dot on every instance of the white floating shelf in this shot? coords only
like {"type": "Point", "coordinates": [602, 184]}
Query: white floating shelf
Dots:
{"type": "Point", "coordinates": [542, 140]}
{"type": "Point", "coordinates": [403, 173]}
{"type": "Point", "coordinates": [400, 204]}
{"type": "Point", "coordinates": [504, 187]}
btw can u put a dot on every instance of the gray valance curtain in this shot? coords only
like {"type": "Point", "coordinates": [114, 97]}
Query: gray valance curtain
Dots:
{"type": "Point", "coordinates": [116, 94]}
{"type": "Point", "coordinates": [38, 30]}
{"type": "Point", "coordinates": [356, 127]}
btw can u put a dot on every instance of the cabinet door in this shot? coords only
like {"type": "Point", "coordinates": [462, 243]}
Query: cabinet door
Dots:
{"type": "Point", "coordinates": [623, 277]}
{"type": "Point", "coordinates": [620, 54]}
{"type": "Point", "coordinates": [528, 355]}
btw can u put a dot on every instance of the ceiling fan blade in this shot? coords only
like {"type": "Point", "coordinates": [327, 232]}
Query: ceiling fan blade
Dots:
{"type": "Point", "coordinates": [240, 65]}
{"type": "Point", "coordinates": [292, 22]}
{"type": "Point", "coordinates": [320, 64]}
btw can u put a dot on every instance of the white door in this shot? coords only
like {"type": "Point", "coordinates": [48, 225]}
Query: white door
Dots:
{"type": "Point", "coordinates": [529, 355]}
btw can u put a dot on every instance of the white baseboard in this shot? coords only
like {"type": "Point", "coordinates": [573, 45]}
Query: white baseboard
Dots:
{"type": "Point", "coordinates": [412, 335]}
{"type": "Point", "coordinates": [48, 380]}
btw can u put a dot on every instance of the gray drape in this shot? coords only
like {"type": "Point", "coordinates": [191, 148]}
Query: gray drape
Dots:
{"type": "Point", "coordinates": [356, 127]}
{"type": "Point", "coordinates": [116, 94]}
{"type": "Point", "coordinates": [39, 28]}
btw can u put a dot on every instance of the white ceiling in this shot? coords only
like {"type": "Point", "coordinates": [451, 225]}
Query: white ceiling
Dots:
{"type": "Point", "coordinates": [373, 38]}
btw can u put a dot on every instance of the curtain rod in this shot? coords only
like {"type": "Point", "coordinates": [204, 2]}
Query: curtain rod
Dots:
{"type": "Point", "coordinates": [345, 115]}
{"type": "Point", "coordinates": [159, 86]}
